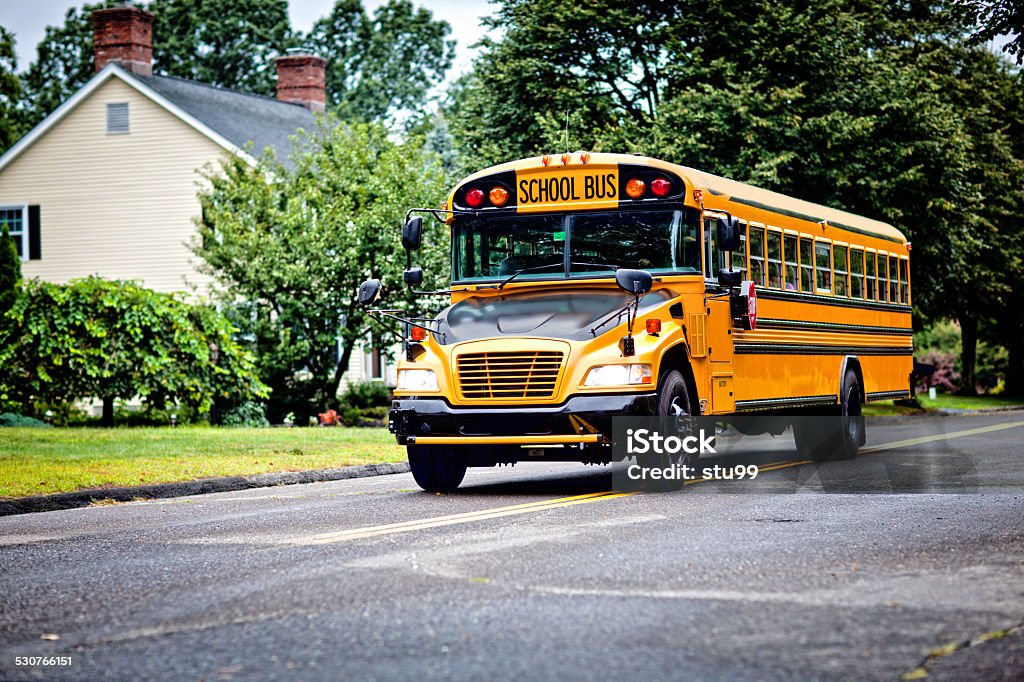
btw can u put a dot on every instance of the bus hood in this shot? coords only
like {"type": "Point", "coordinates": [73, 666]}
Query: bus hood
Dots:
{"type": "Point", "coordinates": [569, 314]}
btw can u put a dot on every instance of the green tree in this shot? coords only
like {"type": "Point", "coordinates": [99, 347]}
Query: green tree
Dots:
{"type": "Point", "coordinates": [10, 276]}
{"type": "Point", "coordinates": [10, 92]}
{"type": "Point", "coordinates": [294, 243]}
{"type": "Point", "coordinates": [229, 43]}
{"type": "Point", "coordinates": [996, 19]}
{"type": "Point", "coordinates": [63, 64]}
{"type": "Point", "coordinates": [110, 340]}
{"type": "Point", "coordinates": [382, 66]}
{"type": "Point", "coordinates": [833, 102]}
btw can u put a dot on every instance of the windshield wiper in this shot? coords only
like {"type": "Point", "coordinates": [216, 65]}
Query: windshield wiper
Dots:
{"type": "Point", "coordinates": [538, 268]}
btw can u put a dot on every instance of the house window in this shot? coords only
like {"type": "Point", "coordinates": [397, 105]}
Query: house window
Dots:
{"type": "Point", "coordinates": [14, 217]}
{"type": "Point", "coordinates": [374, 364]}
{"type": "Point", "coordinates": [117, 118]}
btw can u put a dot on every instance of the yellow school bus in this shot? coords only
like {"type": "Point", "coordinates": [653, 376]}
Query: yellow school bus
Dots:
{"type": "Point", "coordinates": [590, 286]}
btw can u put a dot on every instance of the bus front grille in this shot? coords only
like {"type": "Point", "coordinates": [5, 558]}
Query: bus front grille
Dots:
{"type": "Point", "coordinates": [522, 374]}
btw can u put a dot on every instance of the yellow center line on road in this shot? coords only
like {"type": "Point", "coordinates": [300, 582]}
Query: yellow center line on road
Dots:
{"type": "Point", "coordinates": [942, 436]}
{"type": "Point", "coordinates": [452, 519]}
{"type": "Point", "coordinates": [556, 503]}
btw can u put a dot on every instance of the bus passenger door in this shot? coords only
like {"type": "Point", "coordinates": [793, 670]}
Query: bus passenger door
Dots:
{"type": "Point", "coordinates": [719, 323]}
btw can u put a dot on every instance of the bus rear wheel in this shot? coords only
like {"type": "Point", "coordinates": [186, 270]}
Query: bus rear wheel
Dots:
{"type": "Point", "coordinates": [436, 468]}
{"type": "Point", "coordinates": [837, 436]}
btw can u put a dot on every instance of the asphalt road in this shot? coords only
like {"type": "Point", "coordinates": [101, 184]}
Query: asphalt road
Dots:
{"type": "Point", "coordinates": [847, 570]}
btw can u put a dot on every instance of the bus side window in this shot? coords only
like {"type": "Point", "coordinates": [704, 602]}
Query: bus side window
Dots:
{"type": "Point", "coordinates": [842, 269]}
{"type": "Point", "coordinates": [883, 277]}
{"type": "Point", "coordinates": [806, 265]}
{"type": "Point", "coordinates": [869, 270]}
{"type": "Point", "coordinates": [894, 281]}
{"type": "Point", "coordinates": [774, 259]}
{"type": "Point", "coordinates": [792, 264]}
{"type": "Point", "coordinates": [856, 273]}
{"type": "Point", "coordinates": [739, 257]}
{"type": "Point", "coordinates": [904, 282]}
{"type": "Point", "coordinates": [757, 255]}
{"type": "Point", "coordinates": [823, 260]}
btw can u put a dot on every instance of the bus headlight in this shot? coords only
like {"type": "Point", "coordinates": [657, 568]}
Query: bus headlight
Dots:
{"type": "Point", "coordinates": [618, 375]}
{"type": "Point", "coordinates": [416, 380]}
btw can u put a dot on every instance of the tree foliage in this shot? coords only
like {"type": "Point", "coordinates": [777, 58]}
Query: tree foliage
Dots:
{"type": "Point", "coordinates": [229, 43]}
{"type": "Point", "coordinates": [995, 19]}
{"type": "Point", "coordinates": [873, 107]}
{"type": "Point", "coordinates": [382, 65]}
{"type": "Point", "coordinates": [110, 340]}
{"type": "Point", "coordinates": [10, 92]}
{"type": "Point", "coordinates": [294, 243]}
{"type": "Point", "coordinates": [10, 275]}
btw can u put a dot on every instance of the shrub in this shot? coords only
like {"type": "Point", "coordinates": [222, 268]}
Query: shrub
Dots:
{"type": "Point", "coordinates": [12, 419]}
{"type": "Point", "coordinates": [378, 413]}
{"type": "Point", "coordinates": [351, 416]}
{"type": "Point", "coordinates": [250, 413]}
{"type": "Point", "coordinates": [945, 378]}
{"type": "Point", "coordinates": [364, 394]}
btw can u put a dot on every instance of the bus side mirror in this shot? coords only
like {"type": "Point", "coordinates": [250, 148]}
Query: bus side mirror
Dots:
{"type": "Point", "coordinates": [730, 278]}
{"type": "Point", "coordinates": [413, 276]}
{"type": "Point", "coordinates": [728, 234]}
{"type": "Point", "coordinates": [634, 281]}
{"type": "Point", "coordinates": [369, 292]}
{"type": "Point", "coordinates": [412, 234]}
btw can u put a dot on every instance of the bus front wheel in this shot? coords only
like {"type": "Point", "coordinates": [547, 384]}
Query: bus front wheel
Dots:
{"type": "Point", "coordinates": [673, 402]}
{"type": "Point", "coordinates": [436, 468]}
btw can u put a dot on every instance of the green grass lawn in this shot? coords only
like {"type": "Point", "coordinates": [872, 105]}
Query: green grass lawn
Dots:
{"type": "Point", "coordinates": [942, 401]}
{"type": "Point", "coordinates": [44, 461]}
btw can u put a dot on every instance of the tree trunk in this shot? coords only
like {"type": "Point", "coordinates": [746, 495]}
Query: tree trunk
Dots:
{"type": "Point", "coordinates": [968, 354]}
{"type": "Point", "coordinates": [1015, 364]}
{"type": "Point", "coordinates": [108, 412]}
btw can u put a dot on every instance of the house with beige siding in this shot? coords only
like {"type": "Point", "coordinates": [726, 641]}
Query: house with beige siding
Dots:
{"type": "Point", "coordinates": [107, 184]}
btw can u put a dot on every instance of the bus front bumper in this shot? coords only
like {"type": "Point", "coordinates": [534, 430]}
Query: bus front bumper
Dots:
{"type": "Point", "coordinates": [581, 420]}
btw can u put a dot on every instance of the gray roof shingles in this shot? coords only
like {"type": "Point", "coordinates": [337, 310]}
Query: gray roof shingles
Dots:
{"type": "Point", "coordinates": [239, 117]}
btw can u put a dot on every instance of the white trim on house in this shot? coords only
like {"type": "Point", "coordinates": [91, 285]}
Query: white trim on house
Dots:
{"type": "Point", "coordinates": [23, 234]}
{"type": "Point", "coordinates": [109, 71]}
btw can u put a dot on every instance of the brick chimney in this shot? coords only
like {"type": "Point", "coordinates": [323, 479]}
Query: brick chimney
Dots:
{"type": "Point", "coordinates": [302, 79]}
{"type": "Point", "coordinates": [124, 34]}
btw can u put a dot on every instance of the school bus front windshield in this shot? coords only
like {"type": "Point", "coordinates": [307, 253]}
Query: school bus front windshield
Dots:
{"type": "Point", "coordinates": [495, 247]}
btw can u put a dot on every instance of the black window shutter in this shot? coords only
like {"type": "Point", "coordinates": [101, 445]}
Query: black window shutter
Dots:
{"type": "Point", "coordinates": [35, 249]}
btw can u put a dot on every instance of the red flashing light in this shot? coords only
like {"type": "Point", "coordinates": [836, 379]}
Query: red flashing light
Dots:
{"type": "Point", "coordinates": [585, 157]}
{"type": "Point", "coordinates": [418, 333]}
{"type": "Point", "coordinates": [546, 160]}
{"type": "Point", "coordinates": [653, 326]}
{"type": "Point", "coordinates": [475, 198]}
{"type": "Point", "coordinates": [698, 195]}
{"type": "Point", "coordinates": [566, 158]}
{"type": "Point", "coordinates": [661, 187]}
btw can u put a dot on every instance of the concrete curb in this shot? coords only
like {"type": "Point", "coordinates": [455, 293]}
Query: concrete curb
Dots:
{"type": "Point", "coordinates": [83, 498]}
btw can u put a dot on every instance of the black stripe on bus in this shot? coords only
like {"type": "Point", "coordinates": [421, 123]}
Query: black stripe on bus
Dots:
{"type": "Point", "coordinates": [812, 219]}
{"type": "Point", "coordinates": [817, 349]}
{"type": "Point", "coordinates": [818, 299]}
{"type": "Point", "coordinates": [888, 395]}
{"type": "Point", "coordinates": [769, 323]}
{"type": "Point", "coordinates": [770, 403]}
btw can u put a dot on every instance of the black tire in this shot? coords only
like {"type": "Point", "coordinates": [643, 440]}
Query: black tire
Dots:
{"type": "Point", "coordinates": [852, 434]}
{"type": "Point", "coordinates": [437, 469]}
{"type": "Point", "coordinates": [674, 400]}
{"type": "Point", "coordinates": [837, 436]}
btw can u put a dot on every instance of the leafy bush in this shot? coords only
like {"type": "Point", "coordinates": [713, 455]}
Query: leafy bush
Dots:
{"type": "Point", "coordinates": [364, 394]}
{"type": "Point", "coordinates": [945, 378]}
{"type": "Point", "coordinates": [12, 419]}
{"type": "Point", "coordinates": [351, 416]}
{"type": "Point", "coordinates": [379, 412]}
{"type": "Point", "coordinates": [249, 413]}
